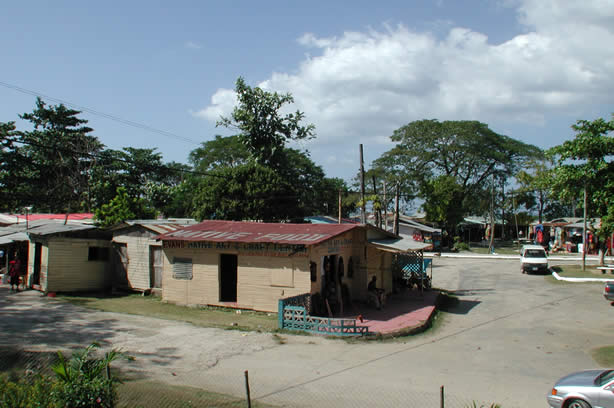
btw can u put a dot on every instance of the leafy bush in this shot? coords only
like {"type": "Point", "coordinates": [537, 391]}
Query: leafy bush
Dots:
{"type": "Point", "coordinates": [30, 391]}
{"type": "Point", "coordinates": [85, 381]}
{"type": "Point", "coordinates": [459, 245]}
{"type": "Point", "coordinates": [87, 393]}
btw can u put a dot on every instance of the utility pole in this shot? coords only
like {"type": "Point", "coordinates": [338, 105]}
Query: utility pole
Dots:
{"type": "Point", "coordinates": [396, 211]}
{"type": "Point", "coordinates": [339, 206]}
{"type": "Point", "coordinates": [378, 211]}
{"type": "Point", "coordinates": [503, 211]}
{"type": "Point", "coordinates": [385, 208]}
{"type": "Point", "coordinates": [584, 231]}
{"type": "Point", "coordinates": [491, 245]}
{"type": "Point", "coordinates": [363, 216]}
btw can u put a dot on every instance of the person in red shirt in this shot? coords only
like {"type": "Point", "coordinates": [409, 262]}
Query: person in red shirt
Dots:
{"type": "Point", "coordinates": [15, 272]}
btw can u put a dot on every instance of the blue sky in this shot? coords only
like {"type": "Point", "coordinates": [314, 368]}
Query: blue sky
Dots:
{"type": "Point", "coordinates": [359, 70]}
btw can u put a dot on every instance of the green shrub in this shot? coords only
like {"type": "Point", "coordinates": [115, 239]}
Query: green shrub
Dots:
{"type": "Point", "coordinates": [85, 381]}
{"type": "Point", "coordinates": [461, 246]}
{"type": "Point", "coordinates": [86, 393]}
{"type": "Point", "coordinates": [30, 391]}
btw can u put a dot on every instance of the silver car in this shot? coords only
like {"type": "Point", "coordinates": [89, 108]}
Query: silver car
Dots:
{"type": "Point", "coordinates": [608, 291]}
{"type": "Point", "coordinates": [584, 389]}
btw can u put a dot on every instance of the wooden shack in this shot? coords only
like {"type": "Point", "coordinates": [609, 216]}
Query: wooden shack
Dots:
{"type": "Point", "coordinates": [67, 257]}
{"type": "Point", "coordinates": [251, 265]}
{"type": "Point", "coordinates": [137, 254]}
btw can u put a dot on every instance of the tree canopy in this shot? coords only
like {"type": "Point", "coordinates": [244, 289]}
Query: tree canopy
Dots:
{"type": "Point", "coordinates": [455, 161]}
{"type": "Point", "coordinates": [586, 162]}
{"type": "Point", "coordinates": [263, 129]}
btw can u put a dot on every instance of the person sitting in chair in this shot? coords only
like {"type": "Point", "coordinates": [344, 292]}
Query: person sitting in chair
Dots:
{"type": "Point", "coordinates": [376, 295]}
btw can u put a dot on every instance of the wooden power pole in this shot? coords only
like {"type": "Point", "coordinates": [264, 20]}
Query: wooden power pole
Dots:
{"type": "Point", "coordinates": [363, 215]}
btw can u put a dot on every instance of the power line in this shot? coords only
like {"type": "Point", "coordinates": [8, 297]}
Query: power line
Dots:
{"type": "Point", "coordinates": [101, 114]}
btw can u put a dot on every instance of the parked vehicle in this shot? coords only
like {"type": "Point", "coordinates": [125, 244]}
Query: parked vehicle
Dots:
{"type": "Point", "coordinates": [533, 258]}
{"type": "Point", "coordinates": [583, 389]}
{"type": "Point", "coordinates": [608, 291]}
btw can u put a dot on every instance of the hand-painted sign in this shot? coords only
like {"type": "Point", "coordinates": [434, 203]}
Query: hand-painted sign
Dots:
{"type": "Point", "coordinates": [244, 248]}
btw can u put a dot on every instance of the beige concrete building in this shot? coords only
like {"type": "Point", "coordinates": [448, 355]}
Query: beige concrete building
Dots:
{"type": "Point", "coordinates": [252, 265]}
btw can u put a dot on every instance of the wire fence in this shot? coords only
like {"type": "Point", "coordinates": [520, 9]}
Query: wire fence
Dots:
{"type": "Point", "coordinates": [261, 387]}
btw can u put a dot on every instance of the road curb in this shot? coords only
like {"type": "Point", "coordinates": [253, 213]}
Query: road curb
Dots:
{"type": "Point", "coordinates": [560, 278]}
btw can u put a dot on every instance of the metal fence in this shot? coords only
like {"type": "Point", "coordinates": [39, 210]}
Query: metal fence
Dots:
{"type": "Point", "coordinates": [241, 388]}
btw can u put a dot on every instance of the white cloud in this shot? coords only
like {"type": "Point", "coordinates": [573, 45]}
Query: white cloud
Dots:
{"type": "Point", "coordinates": [192, 45]}
{"type": "Point", "coordinates": [363, 85]}
{"type": "Point", "coordinates": [222, 104]}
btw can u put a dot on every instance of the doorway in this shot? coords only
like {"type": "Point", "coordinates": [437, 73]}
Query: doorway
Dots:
{"type": "Point", "coordinates": [228, 278]}
{"type": "Point", "coordinates": [36, 271]}
{"type": "Point", "coordinates": [155, 267]}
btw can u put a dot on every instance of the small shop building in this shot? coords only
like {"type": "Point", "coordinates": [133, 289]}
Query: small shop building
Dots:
{"type": "Point", "coordinates": [251, 265]}
{"type": "Point", "coordinates": [68, 257]}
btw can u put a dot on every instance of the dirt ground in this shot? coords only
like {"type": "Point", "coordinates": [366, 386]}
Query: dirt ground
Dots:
{"type": "Point", "coordinates": [509, 338]}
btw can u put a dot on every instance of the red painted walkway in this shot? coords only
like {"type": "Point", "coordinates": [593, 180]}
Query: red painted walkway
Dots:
{"type": "Point", "coordinates": [407, 310]}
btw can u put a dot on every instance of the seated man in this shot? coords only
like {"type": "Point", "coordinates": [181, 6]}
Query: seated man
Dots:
{"type": "Point", "coordinates": [377, 296]}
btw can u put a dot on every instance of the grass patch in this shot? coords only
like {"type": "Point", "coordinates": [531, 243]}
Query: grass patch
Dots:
{"type": "Point", "coordinates": [152, 306]}
{"type": "Point", "coordinates": [145, 394]}
{"type": "Point", "coordinates": [500, 248]}
{"type": "Point", "coordinates": [604, 356]}
{"type": "Point", "coordinates": [575, 271]}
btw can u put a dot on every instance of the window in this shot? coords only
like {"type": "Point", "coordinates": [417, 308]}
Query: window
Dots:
{"type": "Point", "coordinates": [182, 268]}
{"type": "Point", "coordinates": [313, 269]}
{"type": "Point", "coordinates": [97, 254]}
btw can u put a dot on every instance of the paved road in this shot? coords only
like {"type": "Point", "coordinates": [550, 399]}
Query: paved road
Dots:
{"type": "Point", "coordinates": [509, 338]}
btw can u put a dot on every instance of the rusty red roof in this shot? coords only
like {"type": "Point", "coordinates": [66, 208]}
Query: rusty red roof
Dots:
{"type": "Point", "coordinates": [237, 231]}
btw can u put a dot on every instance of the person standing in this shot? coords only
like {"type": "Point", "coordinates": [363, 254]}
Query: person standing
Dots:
{"type": "Point", "coordinates": [15, 272]}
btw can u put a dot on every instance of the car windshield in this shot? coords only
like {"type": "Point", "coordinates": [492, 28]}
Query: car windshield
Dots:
{"type": "Point", "coordinates": [534, 253]}
{"type": "Point", "coordinates": [604, 378]}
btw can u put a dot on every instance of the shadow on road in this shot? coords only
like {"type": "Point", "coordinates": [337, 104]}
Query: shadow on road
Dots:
{"type": "Point", "coordinates": [29, 319]}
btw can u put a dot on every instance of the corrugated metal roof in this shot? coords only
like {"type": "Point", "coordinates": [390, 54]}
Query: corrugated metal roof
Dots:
{"type": "Point", "coordinates": [14, 237]}
{"type": "Point", "coordinates": [55, 228]}
{"type": "Point", "coordinates": [237, 231]}
{"type": "Point", "coordinates": [162, 228]}
{"type": "Point", "coordinates": [404, 244]}
{"type": "Point", "coordinates": [72, 216]}
{"type": "Point", "coordinates": [419, 226]}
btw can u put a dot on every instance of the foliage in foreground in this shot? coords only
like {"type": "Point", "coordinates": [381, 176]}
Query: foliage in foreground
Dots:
{"type": "Point", "coordinates": [82, 381]}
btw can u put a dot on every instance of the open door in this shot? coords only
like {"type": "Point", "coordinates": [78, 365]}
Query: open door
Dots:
{"type": "Point", "coordinates": [228, 278]}
{"type": "Point", "coordinates": [36, 270]}
{"type": "Point", "coordinates": [155, 267]}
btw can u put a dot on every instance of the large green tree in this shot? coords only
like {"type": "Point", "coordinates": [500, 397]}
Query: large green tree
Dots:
{"type": "Point", "coordinates": [302, 183]}
{"type": "Point", "coordinates": [262, 128]}
{"type": "Point", "coordinates": [457, 160]}
{"type": "Point", "coordinates": [52, 162]}
{"type": "Point", "coordinates": [585, 163]}
{"type": "Point", "coordinates": [294, 184]}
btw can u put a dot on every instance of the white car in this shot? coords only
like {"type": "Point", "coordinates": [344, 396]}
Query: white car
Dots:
{"type": "Point", "coordinates": [533, 259]}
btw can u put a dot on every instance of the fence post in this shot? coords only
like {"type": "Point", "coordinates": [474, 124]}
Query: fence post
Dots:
{"type": "Point", "coordinates": [441, 399]}
{"type": "Point", "coordinates": [280, 313]}
{"type": "Point", "coordinates": [249, 401]}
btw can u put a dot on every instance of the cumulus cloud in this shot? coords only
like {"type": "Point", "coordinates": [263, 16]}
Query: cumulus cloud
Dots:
{"type": "Point", "coordinates": [192, 45]}
{"type": "Point", "coordinates": [363, 85]}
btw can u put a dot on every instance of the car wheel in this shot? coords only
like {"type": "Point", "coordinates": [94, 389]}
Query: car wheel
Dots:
{"type": "Point", "coordinates": [578, 403]}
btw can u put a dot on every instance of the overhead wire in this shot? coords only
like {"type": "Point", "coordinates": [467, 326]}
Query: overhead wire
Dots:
{"type": "Point", "coordinates": [101, 114]}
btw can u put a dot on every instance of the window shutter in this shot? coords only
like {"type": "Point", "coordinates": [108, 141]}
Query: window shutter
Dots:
{"type": "Point", "coordinates": [182, 268]}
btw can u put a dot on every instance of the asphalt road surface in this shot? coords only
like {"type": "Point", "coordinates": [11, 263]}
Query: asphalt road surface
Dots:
{"type": "Point", "coordinates": [507, 340]}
